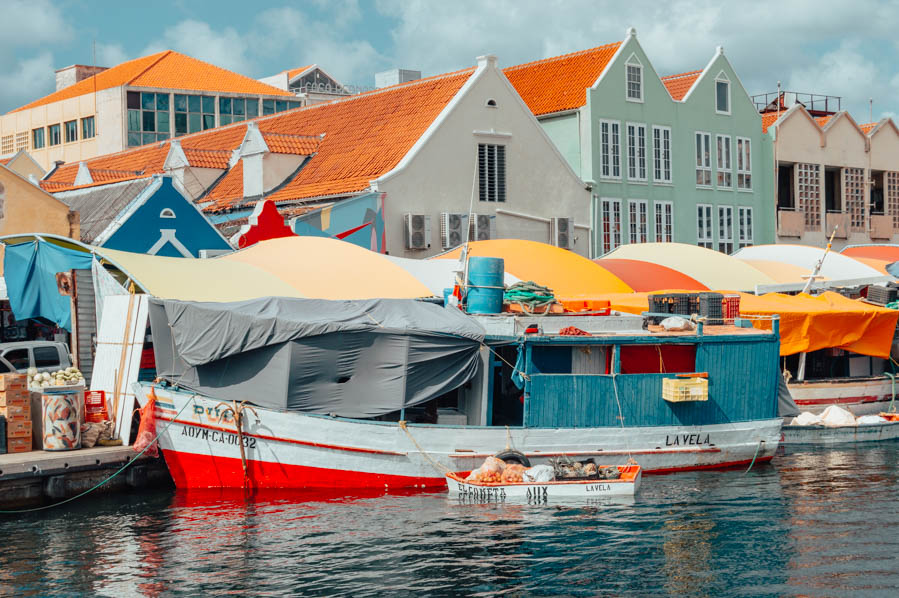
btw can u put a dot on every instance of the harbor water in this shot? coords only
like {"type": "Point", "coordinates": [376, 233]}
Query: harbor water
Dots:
{"type": "Point", "coordinates": [815, 522]}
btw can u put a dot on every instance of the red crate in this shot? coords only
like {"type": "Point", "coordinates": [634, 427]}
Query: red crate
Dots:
{"type": "Point", "coordinates": [95, 406]}
{"type": "Point", "coordinates": [731, 307]}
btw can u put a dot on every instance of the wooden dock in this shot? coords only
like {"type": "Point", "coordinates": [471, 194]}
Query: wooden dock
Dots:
{"type": "Point", "coordinates": [45, 477]}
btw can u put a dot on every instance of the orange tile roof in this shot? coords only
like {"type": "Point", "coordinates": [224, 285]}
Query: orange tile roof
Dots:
{"type": "Point", "coordinates": [279, 143]}
{"type": "Point", "coordinates": [354, 141]}
{"type": "Point", "coordinates": [823, 120]}
{"type": "Point", "coordinates": [769, 118]}
{"type": "Point", "coordinates": [294, 72]}
{"type": "Point", "coordinates": [205, 158]}
{"type": "Point", "coordinates": [679, 85]}
{"type": "Point", "coordinates": [167, 70]}
{"type": "Point", "coordinates": [560, 83]}
{"type": "Point", "coordinates": [867, 127]}
{"type": "Point", "coordinates": [5, 161]}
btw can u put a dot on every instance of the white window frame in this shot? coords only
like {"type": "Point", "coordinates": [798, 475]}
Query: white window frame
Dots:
{"type": "Point", "coordinates": [638, 221]}
{"type": "Point", "coordinates": [661, 155]}
{"type": "Point", "coordinates": [744, 164]}
{"type": "Point", "coordinates": [704, 213]}
{"type": "Point", "coordinates": [725, 230]}
{"type": "Point", "coordinates": [744, 226]}
{"type": "Point", "coordinates": [703, 166]}
{"type": "Point", "coordinates": [664, 221]}
{"type": "Point", "coordinates": [610, 149]}
{"type": "Point", "coordinates": [608, 209]}
{"type": "Point", "coordinates": [633, 62]}
{"type": "Point", "coordinates": [634, 151]}
{"type": "Point", "coordinates": [722, 78]}
{"type": "Point", "coordinates": [724, 178]}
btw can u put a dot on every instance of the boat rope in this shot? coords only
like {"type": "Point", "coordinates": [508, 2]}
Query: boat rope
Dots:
{"type": "Point", "coordinates": [892, 407]}
{"type": "Point", "coordinates": [627, 444]}
{"type": "Point", "coordinates": [754, 457]}
{"type": "Point", "coordinates": [237, 413]}
{"type": "Point", "coordinates": [442, 469]}
{"type": "Point", "coordinates": [120, 470]}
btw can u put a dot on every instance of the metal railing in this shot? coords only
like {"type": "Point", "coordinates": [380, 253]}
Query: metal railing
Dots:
{"type": "Point", "coordinates": [813, 102]}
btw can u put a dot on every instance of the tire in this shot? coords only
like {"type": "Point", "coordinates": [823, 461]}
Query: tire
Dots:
{"type": "Point", "coordinates": [514, 457]}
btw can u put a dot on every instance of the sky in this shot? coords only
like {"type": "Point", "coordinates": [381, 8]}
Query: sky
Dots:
{"type": "Point", "coordinates": [814, 46]}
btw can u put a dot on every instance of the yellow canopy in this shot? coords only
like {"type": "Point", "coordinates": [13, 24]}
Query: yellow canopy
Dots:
{"type": "Point", "coordinates": [808, 323]}
{"type": "Point", "coordinates": [568, 274]}
{"type": "Point", "coordinates": [311, 267]}
{"type": "Point", "coordinates": [713, 269]}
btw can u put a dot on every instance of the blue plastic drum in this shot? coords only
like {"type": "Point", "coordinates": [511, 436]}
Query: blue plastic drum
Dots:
{"type": "Point", "coordinates": [485, 285]}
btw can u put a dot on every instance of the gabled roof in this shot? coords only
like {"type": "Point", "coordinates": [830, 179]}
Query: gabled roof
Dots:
{"type": "Point", "coordinates": [351, 142]}
{"type": "Point", "coordinates": [167, 70]}
{"type": "Point", "coordinates": [867, 127]}
{"type": "Point", "coordinates": [679, 85]}
{"type": "Point", "coordinates": [291, 73]}
{"type": "Point", "coordinates": [99, 206]}
{"type": "Point", "coordinates": [560, 83]}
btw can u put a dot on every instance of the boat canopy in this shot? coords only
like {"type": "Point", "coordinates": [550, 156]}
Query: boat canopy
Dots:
{"type": "Point", "coordinates": [808, 323]}
{"type": "Point", "coordinates": [349, 358]}
{"type": "Point", "coordinates": [646, 276]}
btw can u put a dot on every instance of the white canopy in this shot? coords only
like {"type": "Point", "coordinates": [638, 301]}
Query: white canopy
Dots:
{"type": "Point", "coordinates": [836, 267]}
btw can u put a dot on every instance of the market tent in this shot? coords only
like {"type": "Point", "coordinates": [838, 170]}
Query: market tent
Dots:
{"type": "Point", "coordinates": [711, 268]}
{"type": "Point", "coordinates": [646, 276]}
{"type": "Point", "coordinates": [568, 274]}
{"type": "Point", "coordinates": [781, 272]}
{"type": "Point", "coordinates": [836, 266]}
{"type": "Point", "coordinates": [324, 268]}
{"type": "Point", "coordinates": [437, 275]}
{"type": "Point", "coordinates": [807, 323]}
{"type": "Point", "coordinates": [888, 253]}
{"type": "Point", "coordinates": [879, 265]}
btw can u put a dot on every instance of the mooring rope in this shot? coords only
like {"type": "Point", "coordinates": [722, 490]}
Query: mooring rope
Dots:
{"type": "Point", "coordinates": [443, 469]}
{"type": "Point", "coordinates": [237, 411]}
{"type": "Point", "coordinates": [754, 457]}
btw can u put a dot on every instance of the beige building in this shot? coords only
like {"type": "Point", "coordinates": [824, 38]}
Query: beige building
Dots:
{"type": "Point", "coordinates": [834, 174]}
{"type": "Point", "coordinates": [96, 111]}
{"type": "Point", "coordinates": [23, 164]}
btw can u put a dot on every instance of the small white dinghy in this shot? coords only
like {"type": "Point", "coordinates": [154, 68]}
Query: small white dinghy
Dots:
{"type": "Point", "coordinates": [626, 485]}
{"type": "Point", "coordinates": [838, 426]}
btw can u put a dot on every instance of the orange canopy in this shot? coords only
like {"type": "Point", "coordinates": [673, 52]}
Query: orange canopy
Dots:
{"type": "Point", "coordinates": [568, 274]}
{"type": "Point", "coordinates": [808, 323]}
{"type": "Point", "coordinates": [647, 276]}
{"type": "Point", "coordinates": [889, 253]}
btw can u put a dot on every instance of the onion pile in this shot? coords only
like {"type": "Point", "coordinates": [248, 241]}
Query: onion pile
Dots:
{"type": "Point", "coordinates": [40, 380]}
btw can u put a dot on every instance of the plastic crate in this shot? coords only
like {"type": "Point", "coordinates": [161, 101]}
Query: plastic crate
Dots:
{"type": "Point", "coordinates": [659, 304]}
{"type": "Point", "coordinates": [881, 295]}
{"type": "Point", "coordinates": [95, 406]}
{"type": "Point", "coordinates": [731, 307]}
{"type": "Point", "coordinates": [682, 304]}
{"type": "Point", "coordinates": [711, 307]}
{"type": "Point", "coordinates": [685, 390]}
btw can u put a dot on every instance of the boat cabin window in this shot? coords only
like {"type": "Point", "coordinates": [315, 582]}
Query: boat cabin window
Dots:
{"type": "Point", "coordinates": [658, 359]}
{"type": "Point", "coordinates": [572, 359]}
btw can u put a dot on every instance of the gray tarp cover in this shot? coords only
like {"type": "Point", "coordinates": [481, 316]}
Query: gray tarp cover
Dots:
{"type": "Point", "coordinates": [350, 358]}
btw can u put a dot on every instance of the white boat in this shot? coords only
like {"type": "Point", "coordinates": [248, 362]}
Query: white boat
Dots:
{"type": "Point", "coordinates": [541, 492]}
{"type": "Point", "coordinates": [581, 396]}
{"type": "Point", "coordinates": [828, 435]}
{"type": "Point", "coordinates": [860, 396]}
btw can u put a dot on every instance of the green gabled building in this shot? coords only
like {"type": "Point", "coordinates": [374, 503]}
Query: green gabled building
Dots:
{"type": "Point", "coordinates": [679, 158]}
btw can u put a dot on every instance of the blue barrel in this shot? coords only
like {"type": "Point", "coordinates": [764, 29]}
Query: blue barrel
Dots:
{"type": "Point", "coordinates": [485, 285]}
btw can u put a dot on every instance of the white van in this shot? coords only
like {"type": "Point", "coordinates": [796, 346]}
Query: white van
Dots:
{"type": "Point", "coordinates": [46, 356]}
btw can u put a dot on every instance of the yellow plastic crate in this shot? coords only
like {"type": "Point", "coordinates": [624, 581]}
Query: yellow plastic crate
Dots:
{"type": "Point", "coordinates": [682, 390]}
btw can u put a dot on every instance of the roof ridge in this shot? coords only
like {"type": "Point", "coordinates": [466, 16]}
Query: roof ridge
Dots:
{"type": "Point", "coordinates": [561, 56]}
{"type": "Point", "coordinates": [687, 74]}
{"type": "Point", "coordinates": [162, 55]}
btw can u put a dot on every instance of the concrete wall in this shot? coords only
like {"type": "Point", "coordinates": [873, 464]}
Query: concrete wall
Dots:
{"type": "Point", "coordinates": [438, 176]}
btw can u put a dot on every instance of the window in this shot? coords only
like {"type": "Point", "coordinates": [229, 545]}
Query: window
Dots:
{"type": "Point", "coordinates": [22, 140]}
{"type": "Point", "coordinates": [610, 149]}
{"type": "Point", "coordinates": [808, 194]}
{"type": "Point", "coordinates": [167, 213]}
{"type": "Point", "coordinates": [745, 221]}
{"type": "Point", "coordinates": [744, 164]}
{"type": "Point", "coordinates": [71, 131]}
{"type": "Point", "coordinates": [892, 196]}
{"type": "Point", "coordinates": [636, 152]}
{"type": "Point", "coordinates": [661, 154]}
{"type": "Point", "coordinates": [664, 221]}
{"type": "Point", "coordinates": [634, 79]}
{"type": "Point", "coordinates": [726, 229]}
{"type": "Point", "coordinates": [492, 172]}
{"type": "Point", "coordinates": [638, 220]}
{"type": "Point", "coordinates": [148, 117]}
{"type": "Point", "coordinates": [54, 135]}
{"type": "Point", "coordinates": [37, 138]}
{"type": "Point", "coordinates": [704, 226]}
{"type": "Point", "coordinates": [45, 357]}
{"type": "Point", "coordinates": [7, 143]}
{"type": "Point", "coordinates": [703, 160]}
{"type": "Point", "coordinates": [854, 192]}
{"type": "Point", "coordinates": [722, 94]}
{"type": "Point", "coordinates": [611, 224]}
{"type": "Point", "coordinates": [87, 128]}
{"type": "Point", "coordinates": [193, 113]}
{"type": "Point", "coordinates": [725, 167]}
{"type": "Point", "coordinates": [18, 357]}
{"type": "Point", "coordinates": [273, 106]}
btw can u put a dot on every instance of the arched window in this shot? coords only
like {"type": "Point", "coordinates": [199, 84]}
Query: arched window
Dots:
{"type": "Point", "coordinates": [491, 103]}
{"type": "Point", "coordinates": [167, 213]}
{"type": "Point", "coordinates": [633, 79]}
{"type": "Point", "coordinates": [722, 94]}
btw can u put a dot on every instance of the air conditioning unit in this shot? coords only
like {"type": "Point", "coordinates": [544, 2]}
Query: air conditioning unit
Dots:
{"type": "Point", "coordinates": [562, 232]}
{"type": "Point", "coordinates": [452, 229]}
{"type": "Point", "coordinates": [417, 229]}
{"type": "Point", "coordinates": [483, 227]}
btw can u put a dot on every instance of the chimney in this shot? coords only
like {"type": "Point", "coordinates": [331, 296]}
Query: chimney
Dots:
{"type": "Point", "coordinates": [71, 75]}
{"type": "Point", "coordinates": [252, 150]}
{"type": "Point", "coordinates": [395, 77]}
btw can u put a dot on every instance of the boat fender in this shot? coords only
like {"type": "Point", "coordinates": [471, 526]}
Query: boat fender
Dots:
{"type": "Point", "coordinates": [514, 457]}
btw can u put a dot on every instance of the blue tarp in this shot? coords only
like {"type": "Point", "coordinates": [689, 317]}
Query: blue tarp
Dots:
{"type": "Point", "coordinates": [30, 272]}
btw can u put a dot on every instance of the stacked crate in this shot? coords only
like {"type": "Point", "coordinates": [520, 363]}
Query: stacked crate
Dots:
{"type": "Point", "coordinates": [15, 406]}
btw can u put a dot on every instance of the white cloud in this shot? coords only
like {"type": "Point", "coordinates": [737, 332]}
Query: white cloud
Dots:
{"type": "Point", "coordinates": [28, 80]}
{"type": "Point", "coordinates": [225, 48]}
{"type": "Point", "coordinates": [28, 23]}
{"type": "Point", "coordinates": [111, 54]}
